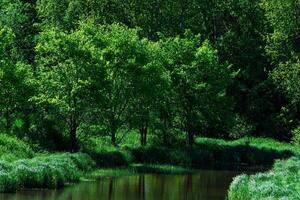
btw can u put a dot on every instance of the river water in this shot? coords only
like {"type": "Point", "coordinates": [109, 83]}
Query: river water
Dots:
{"type": "Point", "coordinates": [203, 185]}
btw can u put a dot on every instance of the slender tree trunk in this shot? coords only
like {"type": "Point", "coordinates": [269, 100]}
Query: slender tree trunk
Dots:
{"type": "Point", "coordinates": [7, 118]}
{"type": "Point", "coordinates": [113, 130]}
{"type": "Point", "coordinates": [165, 130]}
{"type": "Point", "coordinates": [113, 138]}
{"type": "Point", "coordinates": [165, 141]}
{"type": "Point", "coordinates": [190, 137]}
{"type": "Point", "coordinates": [142, 136]}
{"type": "Point", "coordinates": [143, 132]}
{"type": "Point", "coordinates": [73, 138]}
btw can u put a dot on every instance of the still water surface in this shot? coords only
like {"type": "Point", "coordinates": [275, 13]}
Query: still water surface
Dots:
{"type": "Point", "coordinates": [204, 185]}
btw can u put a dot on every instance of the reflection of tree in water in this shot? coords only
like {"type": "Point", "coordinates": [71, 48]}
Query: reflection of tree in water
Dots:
{"type": "Point", "coordinates": [205, 185]}
{"type": "Point", "coordinates": [141, 186]}
{"type": "Point", "coordinates": [187, 186]}
{"type": "Point", "coordinates": [110, 189]}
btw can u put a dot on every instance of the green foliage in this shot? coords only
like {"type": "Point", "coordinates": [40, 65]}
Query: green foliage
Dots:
{"type": "Point", "coordinates": [296, 135]}
{"type": "Point", "coordinates": [245, 152]}
{"type": "Point", "coordinates": [14, 82]}
{"type": "Point", "coordinates": [260, 143]}
{"type": "Point", "coordinates": [200, 85]}
{"type": "Point", "coordinates": [204, 155]}
{"type": "Point", "coordinates": [240, 128]}
{"type": "Point", "coordinates": [286, 76]}
{"type": "Point", "coordinates": [105, 154]}
{"type": "Point", "coordinates": [283, 39]}
{"type": "Point", "coordinates": [17, 15]}
{"type": "Point", "coordinates": [70, 76]}
{"type": "Point", "coordinates": [51, 171]}
{"type": "Point", "coordinates": [12, 148]}
{"type": "Point", "coordinates": [279, 183]}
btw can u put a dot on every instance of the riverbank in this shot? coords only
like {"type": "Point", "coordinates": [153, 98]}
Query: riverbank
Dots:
{"type": "Point", "coordinates": [205, 154]}
{"type": "Point", "coordinates": [23, 167]}
{"type": "Point", "coordinates": [48, 171]}
{"type": "Point", "coordinates": [137, 169]}
{"type": "Point", "coordinates": [281, 182]}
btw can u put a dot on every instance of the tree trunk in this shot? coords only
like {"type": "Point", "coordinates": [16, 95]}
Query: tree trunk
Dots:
{"type": "Point", "coordinates": [142, 136]}
{"type": "Point", "coordinates": [190, 138]}
{"type": "Point", "coordinates": [143, 131]}
{"type": "Point", "coordinates": [113, 130]}
{"type": "Point", "coordinates": [164, 130]}
{"type": "Point", "coordinates": [73, 138]}
{"type": "Point", "coordinates": [113, 138]}
{"type": "Point", "coordinates": [7, 118]}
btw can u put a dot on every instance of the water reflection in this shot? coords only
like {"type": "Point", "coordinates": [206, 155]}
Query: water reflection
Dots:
{"type": "Point", "coordinates": [205, 185]}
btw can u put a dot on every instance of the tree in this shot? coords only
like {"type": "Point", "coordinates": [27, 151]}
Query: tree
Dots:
{"type": "Point", "coordinates": [152, 85]}
{"type": "Point", "coordinates": [134, 74]}
{"type": "Point", "coordinates": [200, 83]}
{"type": "Point", "coordinates": [70, 76]}
{"type": "Point", "coordinates": [19, 16]}
{"type": "Point", "coordinates": [284, 38]}
{"type": "Point", "coordinates": [282, 47]}
{"type": "Point", "coordinates": [15, 78]}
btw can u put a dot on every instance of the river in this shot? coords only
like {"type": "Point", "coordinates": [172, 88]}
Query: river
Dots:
{"type": "Point", "coordinates": [203, 185]}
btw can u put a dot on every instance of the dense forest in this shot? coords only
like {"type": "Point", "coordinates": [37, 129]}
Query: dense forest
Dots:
{"type": "Point", "coordinates": [222, 69]}
{"type": "Point", "coordinates": [157, 73]}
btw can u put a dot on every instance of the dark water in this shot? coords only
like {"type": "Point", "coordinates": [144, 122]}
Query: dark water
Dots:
{"type": "Point", "coordinates": [205, 185]}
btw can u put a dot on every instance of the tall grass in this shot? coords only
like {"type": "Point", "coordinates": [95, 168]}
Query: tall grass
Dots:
{"type": "Point", "coordinates": [52, 171]}
{"type": "Point", "coordinates": [282, 182]}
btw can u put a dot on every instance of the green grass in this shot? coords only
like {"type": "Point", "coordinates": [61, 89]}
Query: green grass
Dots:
{"type": "Point", "coordinates": [49, 171]}
{"type": "Point", "coordinates": [260, 143]}
{"type": "Point", "coordinates": [12, 148]}
{"type": "Point", "coordinates": [20, 169]}
{"type": "Point", "coordinates": [282, 182]}
{"type": "Point", "coordinates": [139, 169]}
{"type": "Point", "coordinates": [206, 154]}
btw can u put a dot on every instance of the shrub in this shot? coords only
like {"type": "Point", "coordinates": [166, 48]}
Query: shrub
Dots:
{"type": "Point", "coordinates": [12, 148]}
{"type": "Point", "coordinates": [111, 158]}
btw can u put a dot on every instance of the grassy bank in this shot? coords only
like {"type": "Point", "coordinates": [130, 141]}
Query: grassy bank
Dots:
{"type": "Point", "coordinates": [21, 167]}
{"type": "Point", "coordinates": [205, 154]}
{"type": "Point", "coordinates": [282, 182]}
{"type": "Point", "coordinates": [209, 157]}
{"type": "Point", "coordinates": [50, 171]}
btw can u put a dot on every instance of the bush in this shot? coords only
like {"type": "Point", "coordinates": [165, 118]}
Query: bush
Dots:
{"type": "Point", "coordinates": [106, 155]}
{"type": "Point", "coordinates": [12, 148]}
{"type": "Point", "coordinates": [111, 158]}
